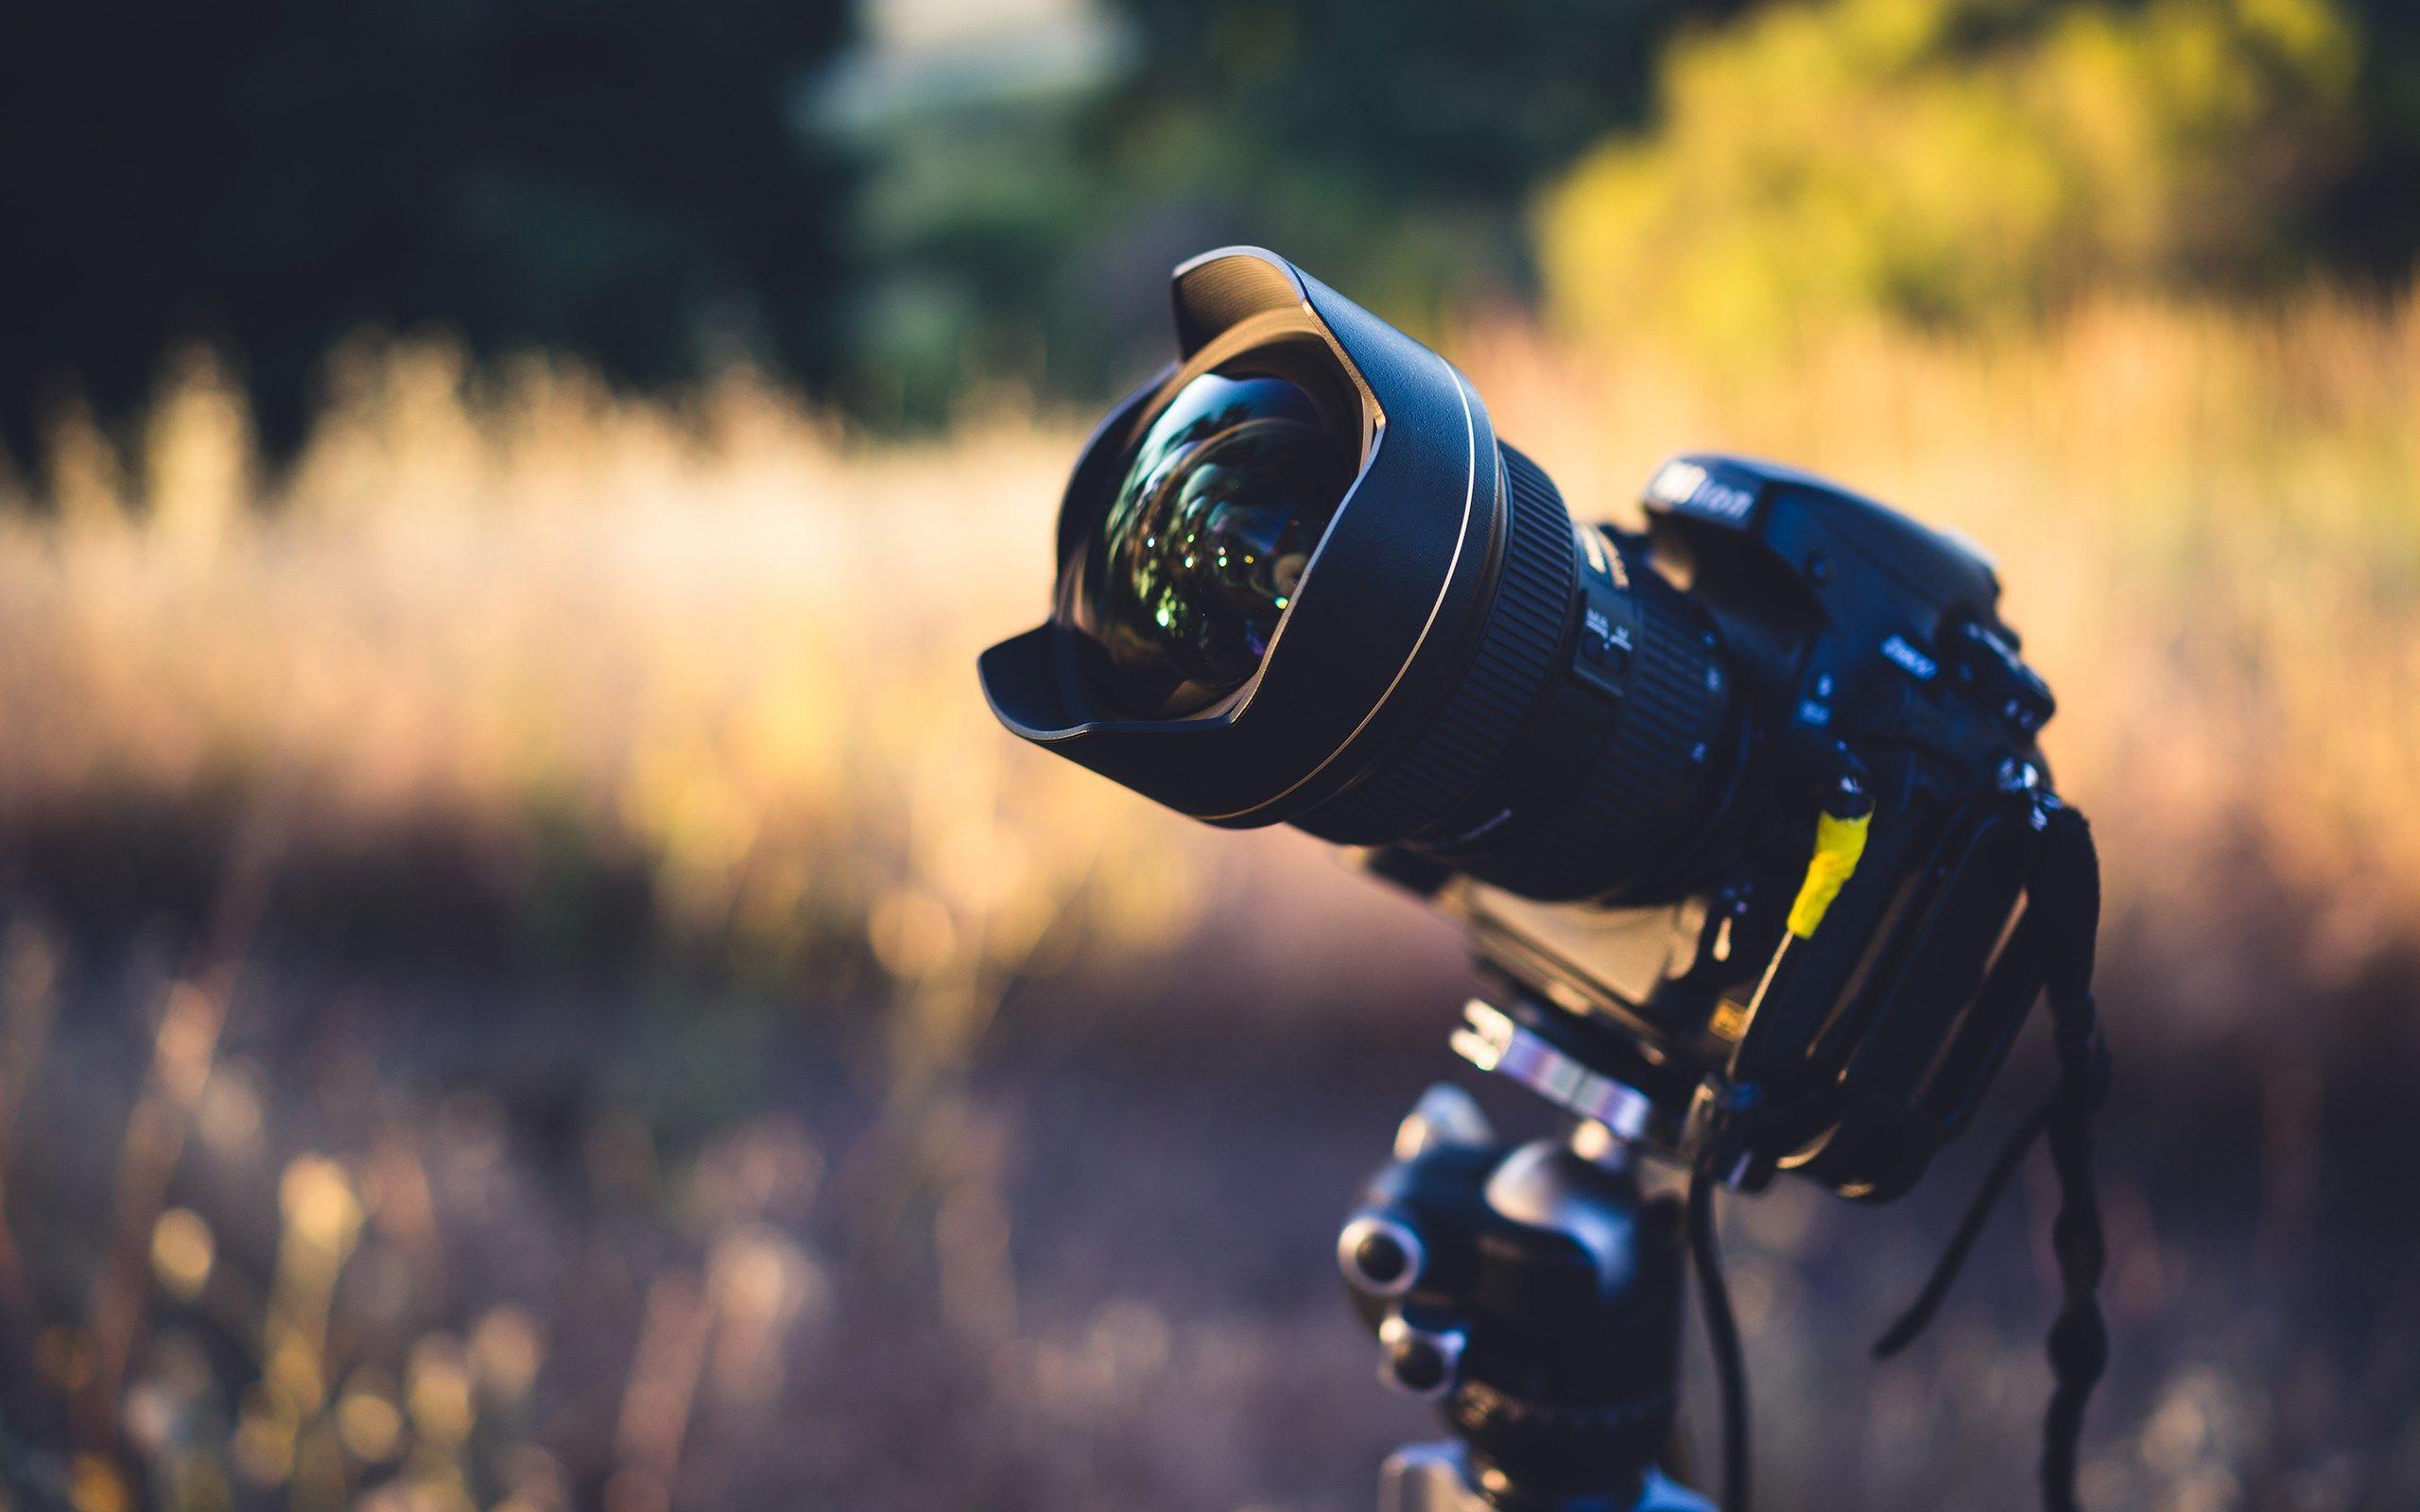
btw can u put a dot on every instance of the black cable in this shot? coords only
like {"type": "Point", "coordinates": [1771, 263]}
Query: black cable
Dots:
{"type": "Point", "coordinates": [1970, 1228]}
{"type": "Point", "coordinates": [1722, 1333]}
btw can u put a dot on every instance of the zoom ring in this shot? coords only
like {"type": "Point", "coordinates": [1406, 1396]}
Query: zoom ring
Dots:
{"type": "Point", "coordinates": [1507, 671]}
{"type": "Point", "coordinates": [1646, 776]}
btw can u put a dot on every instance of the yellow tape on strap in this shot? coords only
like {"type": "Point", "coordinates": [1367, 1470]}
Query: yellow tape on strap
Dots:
{"type": "Point", "coordinates": [1838, 843]}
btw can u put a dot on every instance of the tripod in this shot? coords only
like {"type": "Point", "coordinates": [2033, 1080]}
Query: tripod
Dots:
{"type": "Point", "coordinates": [1534, 1292]}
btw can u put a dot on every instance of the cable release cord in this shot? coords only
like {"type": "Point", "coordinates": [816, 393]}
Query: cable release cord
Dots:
{"type": "Point", "coordinates": [1841, 826]}
{"type": "Point", "coordinates": [2062, 925]}
{"type": "Point", "coordinates": [1722, 1331]}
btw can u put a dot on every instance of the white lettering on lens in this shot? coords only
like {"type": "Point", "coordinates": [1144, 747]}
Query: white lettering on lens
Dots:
{"type": "Point", "coordinates": [1589, 543]}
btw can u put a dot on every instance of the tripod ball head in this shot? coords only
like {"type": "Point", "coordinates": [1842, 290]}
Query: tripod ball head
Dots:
{"type": "Point", "coordinates": [1534, 1292]}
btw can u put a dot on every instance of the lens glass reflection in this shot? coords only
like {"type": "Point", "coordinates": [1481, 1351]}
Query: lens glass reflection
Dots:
{"type": "Point", "coordinates": [1200, 549]}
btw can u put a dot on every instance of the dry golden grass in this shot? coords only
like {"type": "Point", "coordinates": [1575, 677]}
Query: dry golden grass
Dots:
{"type": "Point", "coordinates": [726, 638]}
{"type": "Point", "coordinates": [711, 635]}
{"type": "Point", "coordinates": [730, 638]}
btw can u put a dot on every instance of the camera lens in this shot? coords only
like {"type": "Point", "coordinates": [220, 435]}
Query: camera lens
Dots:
{"type": "Point", "coordinates": [1463, 674]}
{"type": "Point", "coordinates": [1205, 539]}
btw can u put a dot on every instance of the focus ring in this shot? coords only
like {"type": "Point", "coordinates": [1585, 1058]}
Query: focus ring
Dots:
{"type": "Point", "coordinates": [1508, 669]}
{"type": "Point", "coordinates": [1645, 778]}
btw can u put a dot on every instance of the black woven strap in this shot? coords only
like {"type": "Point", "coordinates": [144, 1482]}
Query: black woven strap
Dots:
{"type": "Point", "coordinates": [2059, 932]}
{"type": "Point", "coordinates": [2080, 1339]}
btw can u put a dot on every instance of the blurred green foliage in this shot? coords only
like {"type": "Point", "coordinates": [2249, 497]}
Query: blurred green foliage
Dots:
{"type": "Point", "coordinates": [893, 203]}
{"type": "Point", "coordinates": [1958, 160]}
{"type": "Point", "coordinates": [1392, 146]}
{"type": "Point", "coordinates": [1729, 174]}
{"type": "Point", "coordinates": [1392, 135]}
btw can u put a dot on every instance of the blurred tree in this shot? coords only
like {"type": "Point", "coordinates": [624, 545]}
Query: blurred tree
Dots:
{"type": "Point", "coordinates": [2371, 221]}
{"type": "Point", "coordinates": [1957, 160]}
{"type": "Point", "coordinates": [619, 178]}
{"type": "Point", "coordinates": [999, 188]}
{"type": "Point", "coordinates": [1393, 142]}
{"type": "Point", "coordinates": [1392, 146]}
{"type": "Point", "coordinates": [1430, 96]}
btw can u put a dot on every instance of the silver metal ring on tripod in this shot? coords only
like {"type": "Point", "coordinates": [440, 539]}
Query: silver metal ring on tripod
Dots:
{"type": "Point", "coordinates": [1493, 1040]}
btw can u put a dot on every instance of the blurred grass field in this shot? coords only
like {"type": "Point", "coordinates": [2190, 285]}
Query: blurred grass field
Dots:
{"type": "Point", "coordinates": [719, 651]}
{"type": "Point", "coordinates": [554, 955]}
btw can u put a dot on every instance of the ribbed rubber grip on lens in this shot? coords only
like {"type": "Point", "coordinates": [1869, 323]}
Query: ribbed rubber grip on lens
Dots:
{"type": "Point", "coordinates": [1646, 778]}
{"type": "Point", "coordinates": [1507, 671]}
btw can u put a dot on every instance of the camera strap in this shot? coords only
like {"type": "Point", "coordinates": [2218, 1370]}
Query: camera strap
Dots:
{"type": "Point", "coordinates": [2057, 937]}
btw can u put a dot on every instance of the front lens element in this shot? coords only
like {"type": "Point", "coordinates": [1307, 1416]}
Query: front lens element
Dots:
{"type": "Point", "coordinates": [1200, 549]}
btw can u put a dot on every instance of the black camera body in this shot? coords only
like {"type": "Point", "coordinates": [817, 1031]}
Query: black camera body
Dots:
{"type": "Point", "coordinates": [1858, 640]}
{"type": "Point", "coordinates": [1740, 810]}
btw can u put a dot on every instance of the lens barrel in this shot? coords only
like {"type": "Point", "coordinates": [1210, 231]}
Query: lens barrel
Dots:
{"type": "Point", "coordinates": [1522, 628]}
{"type": "Point", "coordinates": [1453, 667]}
{"type": "Point", "coordinates": [1652, 769]}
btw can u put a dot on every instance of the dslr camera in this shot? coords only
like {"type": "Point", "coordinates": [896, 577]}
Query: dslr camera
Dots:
{"type": "Point", "coordinates": [1741, 811]}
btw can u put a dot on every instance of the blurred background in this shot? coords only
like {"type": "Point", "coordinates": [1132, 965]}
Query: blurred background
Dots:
{"type": "Point", "coordinates": [528, 978]}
